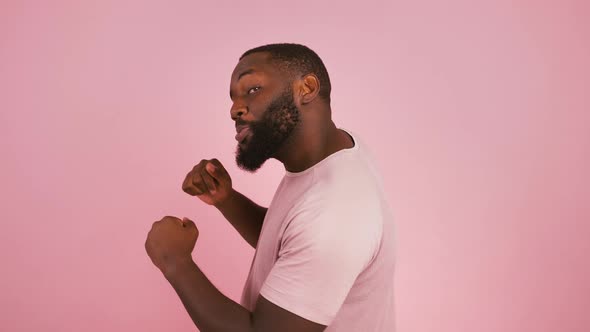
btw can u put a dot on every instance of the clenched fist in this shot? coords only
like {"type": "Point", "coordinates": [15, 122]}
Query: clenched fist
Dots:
{"type": "Point", "coordinates": [170, 242]}
{"type": "Point", "coordinates": [209, 181]}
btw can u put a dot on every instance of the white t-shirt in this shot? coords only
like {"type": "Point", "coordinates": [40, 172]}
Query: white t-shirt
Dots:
{"type": "Point", "coordinates": [326, 249]}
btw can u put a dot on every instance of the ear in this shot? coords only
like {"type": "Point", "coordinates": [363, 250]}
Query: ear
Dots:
{"type": "Point", "coordinates": [309, 88]}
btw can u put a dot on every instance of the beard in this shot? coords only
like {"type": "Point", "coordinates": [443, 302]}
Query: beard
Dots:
{"type": "Point", "coordinates": [268, 134]}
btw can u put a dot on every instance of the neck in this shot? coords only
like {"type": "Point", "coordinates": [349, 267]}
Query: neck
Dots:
{"type": "Point", "coordinates": [311, 142]}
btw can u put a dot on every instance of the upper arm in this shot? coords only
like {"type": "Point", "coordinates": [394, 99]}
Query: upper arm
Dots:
{"type": "Point", "coordinates": [307, 285]}
{"type": "Point", "coordinates": [268, 317]}
{"type": "Point", "coordinates": [322, 252]}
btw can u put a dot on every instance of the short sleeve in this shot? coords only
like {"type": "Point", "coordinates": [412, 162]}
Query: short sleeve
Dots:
{"type": "Point", "coordinates": [321, 255]}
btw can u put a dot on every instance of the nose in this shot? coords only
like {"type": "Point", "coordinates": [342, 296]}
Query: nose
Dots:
{"type": "Point", "coordinates": [238, 111]}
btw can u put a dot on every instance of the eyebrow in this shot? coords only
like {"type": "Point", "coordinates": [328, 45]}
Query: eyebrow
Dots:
{"type": "Point", "coordinates": [242, 74]}
{"type": "Point", "coordinates": [246, 72]}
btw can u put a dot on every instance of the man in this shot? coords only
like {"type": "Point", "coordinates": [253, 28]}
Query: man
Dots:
{"type": "Point", "coordinates": [325, 246]}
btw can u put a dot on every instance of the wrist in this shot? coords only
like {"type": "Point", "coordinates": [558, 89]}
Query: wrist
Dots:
{"type": "Point", "coordinates": [178, 268]}
{"type": "Point", "coordinates": [223, 203]}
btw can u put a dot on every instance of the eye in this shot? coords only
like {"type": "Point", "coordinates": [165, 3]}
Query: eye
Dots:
{"type": "Point", "coordinates": [254, 89]}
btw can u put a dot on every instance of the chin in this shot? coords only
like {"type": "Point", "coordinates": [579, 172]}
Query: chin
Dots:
{"type": "Point", "coordinates": [249, 163]}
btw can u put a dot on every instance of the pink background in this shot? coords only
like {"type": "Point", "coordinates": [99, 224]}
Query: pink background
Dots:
{"type": "Point", "coordinates": [478, 113]}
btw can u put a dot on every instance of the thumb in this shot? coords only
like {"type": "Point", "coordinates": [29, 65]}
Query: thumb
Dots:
{"type": "Point", "coordinates": [187, 222]}
{"type": "Point", "coordinates": [212, 169]}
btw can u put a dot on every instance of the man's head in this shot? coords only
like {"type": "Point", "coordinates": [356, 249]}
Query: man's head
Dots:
{"type": "Point", "coordinates": [269, 87]}
{"type": "Point", "coordinates": [298, 61]}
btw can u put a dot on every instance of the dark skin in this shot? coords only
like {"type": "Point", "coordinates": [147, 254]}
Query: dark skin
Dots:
{"type": "Point", "coordinates": [254, 83]}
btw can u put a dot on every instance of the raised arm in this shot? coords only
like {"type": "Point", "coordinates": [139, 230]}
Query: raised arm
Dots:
{"type": "Point", "coordinates": [211, 183]}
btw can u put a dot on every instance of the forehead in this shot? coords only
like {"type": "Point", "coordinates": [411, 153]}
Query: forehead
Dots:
{"type": "Point", "coordinates": [257, 62]}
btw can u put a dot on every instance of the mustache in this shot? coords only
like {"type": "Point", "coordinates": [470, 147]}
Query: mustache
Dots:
{"type": "Point", "coordinates": [240, 122]}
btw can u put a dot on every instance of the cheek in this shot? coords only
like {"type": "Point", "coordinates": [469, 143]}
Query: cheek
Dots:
{"type": "Point", "coordinates": [257, 115]}
{"type": "Point", "coordinates": [259, 103]}
{"type": "Point", "coordinates": [258, 111]}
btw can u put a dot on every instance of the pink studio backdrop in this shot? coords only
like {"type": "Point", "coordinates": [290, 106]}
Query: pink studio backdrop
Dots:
{"type": "Point", "coordinates": [478, 113]}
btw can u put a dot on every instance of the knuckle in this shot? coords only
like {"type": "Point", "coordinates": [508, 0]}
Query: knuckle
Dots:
{"type": "Point", "coordinates": [198, 181]}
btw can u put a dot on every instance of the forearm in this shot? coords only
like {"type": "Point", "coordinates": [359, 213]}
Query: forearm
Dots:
{"type": "Point", "coordinates": [245, 215]}
{"type": "Point", "coordinates": [210, 310]}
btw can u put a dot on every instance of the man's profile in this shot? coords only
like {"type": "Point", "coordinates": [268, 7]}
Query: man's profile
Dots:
{"type": "Point", "coordinates": [324, 256]}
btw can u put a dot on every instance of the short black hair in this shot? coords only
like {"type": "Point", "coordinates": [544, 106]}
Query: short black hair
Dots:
{"type": "Point", "coordinates": [298, 59]}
